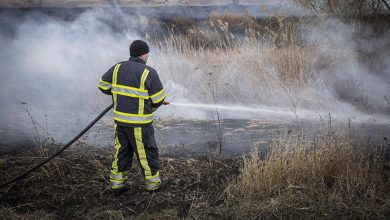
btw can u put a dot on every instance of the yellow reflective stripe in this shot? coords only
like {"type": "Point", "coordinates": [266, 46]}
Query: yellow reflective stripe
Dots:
{"type": "Point", "coordinates": [133, 95]}
{"type": "Point", "coordinates": [102, 82]}
{"type": "Point", "coordinates": [104, 85]}
{"type": "Point", "coordinates": [114, 98]}
{"type": "Point", "coordinates": [153, 180]}
{"type": "Point", "coordinates": [130, 88]}
{"type": "Point", "coordinates": [133, 115]}
{"type": "Point", "coordinates": [105, 82]}
{"type": "Point", "coordinates": [141, 102]}
{"type": "Point", "coordinates": [117, 185]}
{"type": "Point", "coordinates": [133, 118]}
{"type": "Point", "coordinates": [152, 177]}
{"type": "Point", "coordinates": [157, 94]}
{"type": "Point", "coordinates": [133, 121]}
{"type": "Point", "coordinates": [118, 175]}
{"type": "Point", "coordinates": [114, 81]}
{"type": "Point", "coordinates": [143, 79]}
{"type": "Point", "coordinates": [163, 97]}
{"type": "Point", "coordinates": [153, 187]}
{"type": "Point", "coordinates": [104, 88]}
{"type": "Point", "coordinates": [114, 166]}
{"type": "Point", "coordinates": [118, 180]}
{"type": "Point", "coordinates": [115, 74]}
{"type": "Point", "coordinates": [159, 98]}
{"type": "Point", "coordinates": [154, 183]}
{"type": "Point", "coordinates": [141, 152]}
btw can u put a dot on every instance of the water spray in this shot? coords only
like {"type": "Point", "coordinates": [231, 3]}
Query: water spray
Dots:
{"type": "Point", "coordinates": [283, 112]}
{"type": "Point", "coordinates": [259, 109]}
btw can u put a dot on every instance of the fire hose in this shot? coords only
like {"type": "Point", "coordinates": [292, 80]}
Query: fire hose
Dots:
{"type": "Point", "coordinates": [23, 175]}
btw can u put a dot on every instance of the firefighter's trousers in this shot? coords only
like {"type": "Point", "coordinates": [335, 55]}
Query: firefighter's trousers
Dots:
{"type": "Point", "coordinates": [141, 141]}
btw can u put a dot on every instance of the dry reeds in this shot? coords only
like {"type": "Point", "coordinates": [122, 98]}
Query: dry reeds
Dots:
{"type": "Point", "coordinates": [336, 178]}
{"type": "Point", "coordinates": [277, 61]}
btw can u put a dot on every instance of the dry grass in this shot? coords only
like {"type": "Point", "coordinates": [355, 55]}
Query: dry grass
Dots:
{"type": "Point", "coordinates": [231, 20]}
{"type": "Point", "coordinates": [257, 70]}
{"type": "Point", "coordinates": [81, 189]}
{"type": "Point", "coordinates": [277, 61]}
{"type": "Point", "coordinates": [331, 179]}
{"type": "Point", "coordinates": [226, 30]}
{"type": "Point", "coordinates": [274, 38]}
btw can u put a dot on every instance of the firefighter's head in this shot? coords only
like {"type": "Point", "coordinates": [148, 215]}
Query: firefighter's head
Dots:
{"type": "Point", "coordinates": [140, 49]}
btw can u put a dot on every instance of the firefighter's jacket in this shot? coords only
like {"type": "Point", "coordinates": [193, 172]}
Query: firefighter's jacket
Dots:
{"type": "Point", "coordinates": [136, 90]}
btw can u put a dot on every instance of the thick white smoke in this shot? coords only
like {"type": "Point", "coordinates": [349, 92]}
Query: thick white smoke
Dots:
{"type": "Point", "coordinates": [349, 76]}
{"type": "Point", "coordinates": [357, 67]}
{"type": "Point", "coordinates": [53, 65]}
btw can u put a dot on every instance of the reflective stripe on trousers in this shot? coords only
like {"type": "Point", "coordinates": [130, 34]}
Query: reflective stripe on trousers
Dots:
{"type": "Point", "coordinates": [117, 179]}
{"type": "Point", "coordinates": [152, 181]}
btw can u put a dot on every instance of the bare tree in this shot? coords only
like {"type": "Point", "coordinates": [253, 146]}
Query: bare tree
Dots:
{"type": "Point", "coordinates": [347, 7]}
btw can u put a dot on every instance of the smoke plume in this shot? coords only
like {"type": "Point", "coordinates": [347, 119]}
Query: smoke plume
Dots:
{"type": "Point", "coordinates": [53, 65]}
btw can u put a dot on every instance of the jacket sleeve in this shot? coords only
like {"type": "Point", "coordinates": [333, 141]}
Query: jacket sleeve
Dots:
{"type": "Point", "coordinates": [105, 82]}
{"type": "Point", "coordinates": [156, 90]}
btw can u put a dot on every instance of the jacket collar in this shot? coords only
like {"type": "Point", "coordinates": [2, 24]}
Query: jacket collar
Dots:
{"type": "Point", "coordinates": [137, 60]}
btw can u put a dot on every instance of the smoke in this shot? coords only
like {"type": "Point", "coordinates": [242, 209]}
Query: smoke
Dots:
{"type": "Point", "coordinates": [347, 68]}
{"type": "Point", "coordinates": [341, 83]}
{"type": "Point", "coordinates": [356, 64]}
{"type": "Point", "coordinates": [53, 65]}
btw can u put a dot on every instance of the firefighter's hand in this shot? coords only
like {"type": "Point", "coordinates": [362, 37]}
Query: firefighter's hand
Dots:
{"type": "Point", "coordinates": [166, 103]}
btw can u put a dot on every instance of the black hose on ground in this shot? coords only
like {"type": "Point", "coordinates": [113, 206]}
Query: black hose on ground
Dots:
{"type": "Point", "coordinates": [23, 175]}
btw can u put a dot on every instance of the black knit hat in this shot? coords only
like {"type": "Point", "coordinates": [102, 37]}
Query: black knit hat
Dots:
{"type": "Point", "coordinates": [138, 48]}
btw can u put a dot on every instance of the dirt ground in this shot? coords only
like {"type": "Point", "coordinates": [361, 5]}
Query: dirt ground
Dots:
{"type": "Point", "coordinates": [76, 185]}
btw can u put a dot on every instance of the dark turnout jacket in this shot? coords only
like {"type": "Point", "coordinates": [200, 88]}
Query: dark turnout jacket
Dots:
{"type": "Point", "coordinates": [136, 90]}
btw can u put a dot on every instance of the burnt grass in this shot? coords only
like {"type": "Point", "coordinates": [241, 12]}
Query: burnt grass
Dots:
{"type": "Point", "coordinates": [76, 185]}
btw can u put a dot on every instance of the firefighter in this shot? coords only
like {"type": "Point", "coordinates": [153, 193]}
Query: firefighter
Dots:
{"type": "Point", "coordinates": [137, 92]}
